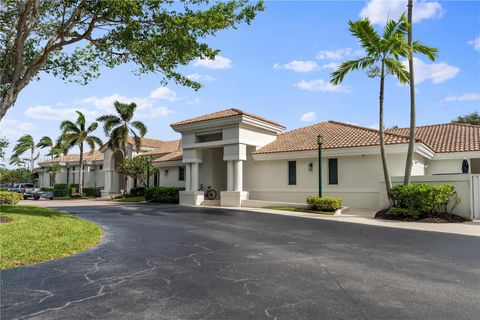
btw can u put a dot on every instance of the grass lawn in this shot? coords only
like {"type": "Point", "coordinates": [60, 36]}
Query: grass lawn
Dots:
{"type": "Point", "coordinates": [37, 234]}
{"type": "Point", "coordinates": [293, 209]}
{"type": "Point", "coordinates": [130, 199]}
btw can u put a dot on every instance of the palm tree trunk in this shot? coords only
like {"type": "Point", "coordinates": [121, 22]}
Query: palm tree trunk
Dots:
{"type": "Point", "coordinates": [386, 174]}
{"type": "Point", "coordinates": [80, 172]}
{"type": "Point", "coordinates": [411, 141]}
{"type": "Point", "coordinates": [32, 160]}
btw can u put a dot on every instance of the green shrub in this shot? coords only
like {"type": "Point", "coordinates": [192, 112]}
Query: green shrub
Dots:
{"type": "Point", "coordinates": [402, 212]}
{"type": "Point", "coordinates": [424, 198]}
{"type": "Point", "coordinates": [324, 204]}
{"type": "Point", "coordinates": [7, 197]}
{"type": "Point", "coordinates": [61, 187]}
{"type": "Point", "coordinates": [137, 192]}
{"type": "Point", "coordinates": [46, 189]}
{"type": "Point", "coordinates": [92, 192]}
{"type": "Point", "coordinates": [163, 194]}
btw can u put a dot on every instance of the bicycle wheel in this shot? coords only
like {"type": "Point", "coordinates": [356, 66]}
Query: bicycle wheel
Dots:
{"type": "Point", "coordinates": [211, 194]}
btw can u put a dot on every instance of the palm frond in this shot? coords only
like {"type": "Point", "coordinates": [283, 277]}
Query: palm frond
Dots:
{"type": "Point", "coordinates": [336, 77]}
{"type": "Point", "coordinates": [140, 126]}
{"type": "Point", "coordinates": [45, 142]}
{"type": "Point", "coordinates": [430, 52]}
{"type": "Point", "coordinates": [109, 122]}
{"type": "Point", "coordinates": [24, 143]}
{"type": "Point", "coordinates": [80, 120]}
{"type": "Point", "coordinates": [395, 28]}
{"type": "Point", "coordinates": [92, 127]}
{"type": "Point", "coordinates": [366, 34]}
{"type": "Point", "coordinates": [397, 69]}
{"type": "Point", "coordinates": [69, 126]}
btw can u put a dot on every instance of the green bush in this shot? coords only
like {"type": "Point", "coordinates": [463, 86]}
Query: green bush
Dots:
{"type": "Point", "coordinates": [92, 192]}
{"type": "Point", "coordinates": [46, 189]}
{"type": "Point", "coordinates": [163, 194]}
{"type": "Point", "coordinates": [137, 192]}
{"type": "Point", "coordinates": [61, 187]}
{"type": "Point", "coordinates": [7, 197]}
{"type": "Point", "coordinates": [324, 204]}
{"type": "Point", "coordinates": [402, 212]}
{"type": "Point", "coordinates": [424, 198]}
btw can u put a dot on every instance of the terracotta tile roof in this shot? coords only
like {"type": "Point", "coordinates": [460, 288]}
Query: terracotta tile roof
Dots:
{"type": "Point", "coordinates": [172, 156]}
{"type": "Point", "coordinates": [75, 157]}
{"type": "Point", "coordinates": [335, 135]}
{"type": "Point", "coordinates": [148, 142]}
{"type": "Point", "coordinates": [164, 147]}
{"type": "Point", "coordinates": [224, 114]}
{"type": "Point", "coordinates": [449, 137]}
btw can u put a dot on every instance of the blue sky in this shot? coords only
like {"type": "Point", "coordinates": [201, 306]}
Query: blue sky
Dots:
{"type": "Point", "coordinates": [278, 68]}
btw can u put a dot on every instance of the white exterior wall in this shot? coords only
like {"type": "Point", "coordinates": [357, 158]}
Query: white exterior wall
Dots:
{"type": "Point", "coordinates": [358, 178]}
{"type": "Point", "coordinates": [169, 179]}
{"type": "Point", "coordinates": [444, 166]}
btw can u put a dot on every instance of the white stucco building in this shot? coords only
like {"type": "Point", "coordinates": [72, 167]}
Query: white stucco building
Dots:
{"type": "Point", "coordinates": [252, 161]}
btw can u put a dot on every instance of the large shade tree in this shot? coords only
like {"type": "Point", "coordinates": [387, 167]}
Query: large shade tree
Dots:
{"type": "Point", "coordinates": [78, 133]}
{"type": "Point", "coordinates": [73, 39]}
{"type": "Point", "coordinates": [471, 118]}
{"type": "Point", "coordinates": [382, 54]}
{"type": "Point", "coordinates": [431, 53]}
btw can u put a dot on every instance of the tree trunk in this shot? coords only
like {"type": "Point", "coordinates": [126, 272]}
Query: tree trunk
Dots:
{"type": "Point", "coordinates": [80, 171]}
{"type": "Point", "coordinates": [411, 142]}
{"type": "Point", "coordinates": [32, 159]}
{"type": "Point", "coordinates": [386, 174]}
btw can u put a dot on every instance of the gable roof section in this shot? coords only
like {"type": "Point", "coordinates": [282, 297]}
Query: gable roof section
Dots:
{"type": "Point", "coordinates": [164, 147]}
{"type": "Point", "coordinates": [172, 156]}
{"type": "Point", "coordinates": [335, 135]}
{"type": "Point", "coordinates": [227, 113]}
{"type": "Point", "coordinates": [449, 137]}
{"type": "Point", "coordinates": [148, 142]}
{"type": "Point", "coordinates": [75, 157]}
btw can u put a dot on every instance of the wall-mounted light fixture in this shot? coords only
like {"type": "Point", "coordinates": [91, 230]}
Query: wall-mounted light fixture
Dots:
{"type": "Point", "coordinates": [310, 167]}
{"type": "Point", "coordinates": [166, 172]}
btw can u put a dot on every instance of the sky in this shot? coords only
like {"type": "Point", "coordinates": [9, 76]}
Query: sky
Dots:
{"type": "Point", "coordinates": [279, 68]}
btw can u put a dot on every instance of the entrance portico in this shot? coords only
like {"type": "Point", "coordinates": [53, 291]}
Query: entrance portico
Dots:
{"type": "Point", "coordinates": [218, 141]}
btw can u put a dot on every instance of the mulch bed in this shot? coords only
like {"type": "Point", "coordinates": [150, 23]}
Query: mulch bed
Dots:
{"type": "Point", "coordinates": [5, 219]}
{"type": "Point", "coordinates": [439, 218]}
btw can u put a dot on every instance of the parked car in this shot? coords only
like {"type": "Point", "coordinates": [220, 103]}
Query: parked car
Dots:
{"type": "Point", "coordinates": [26, 189]}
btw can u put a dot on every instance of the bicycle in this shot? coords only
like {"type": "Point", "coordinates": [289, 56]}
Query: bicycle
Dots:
{"type": "Point", "coordinates": [209, 193]}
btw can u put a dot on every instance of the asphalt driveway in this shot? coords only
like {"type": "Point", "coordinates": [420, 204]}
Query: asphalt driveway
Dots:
{"type": "Point", "coordinates": [172, 262]}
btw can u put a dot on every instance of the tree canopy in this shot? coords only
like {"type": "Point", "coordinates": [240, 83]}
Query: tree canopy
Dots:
{"type": "Point", "coordinates": [73, 39]}
{"type": "Point", "coordinates": [471, 118]}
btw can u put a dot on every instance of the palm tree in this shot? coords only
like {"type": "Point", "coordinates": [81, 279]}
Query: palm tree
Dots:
{"type": "Point", "coordinates": [52, 170]}
{"type": "Point", "coordinates": [381, 59]}
{"type": "Point", "coordinates": [77, 133]}
{"type": "Point", "coordinates": [25, 143]}
{"type": "Point", "coordinates": [46, 142]}
{"type": "Point", "coordinates": [119, 126]}
{"type": "Point", "coordinates": [432, 55]}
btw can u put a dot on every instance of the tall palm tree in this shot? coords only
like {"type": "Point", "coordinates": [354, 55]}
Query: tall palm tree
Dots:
{"type": "Point", "coordinates": [119, 126]}
{"type": "Point", "coordinates": [77, 133]}
{"type": "Point", "coordinates": [432, 55]}
{"type": "Point", "coordinates": [25, 143]}
{"type": "Point", "coordinates": [46, 142]}
{"type": "Point", "coordinates": [381, 59]}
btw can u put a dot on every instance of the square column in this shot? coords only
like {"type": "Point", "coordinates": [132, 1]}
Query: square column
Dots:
{"type": "Point", "coordinates": [194, 186]}
{"type": "Point", "coordinates": [238, 175]}
{"type": "Point", "coordinates": [188, 174]}
{"type": "Point", "coordinates": [230, 175]}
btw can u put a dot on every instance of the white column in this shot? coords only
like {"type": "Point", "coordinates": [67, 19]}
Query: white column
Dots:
{"type": "Point", "coordinates": [195, 176]}
{"type": "Point", "coordinates": [188, 183]}
{"type": "Point", "coordinates": [238, 175]}
{"type": "Point", "coordinates": [230, 179]}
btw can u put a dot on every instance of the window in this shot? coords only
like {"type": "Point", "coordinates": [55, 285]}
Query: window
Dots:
{"type": "Point", "coordinates": [292, 173]}
{"type": "Point", "coordinates": [332, 171]}
{"type": "Point", "coordinates": [101, 167]}
{"type": "Point", "coordinates": [135, 183]}
{"type": "Point", "coordinates": [181, 174]}
{"type": "Point", "coordinates": [155, 179]}
{"type": "Point", "coordinates": [73, 168]}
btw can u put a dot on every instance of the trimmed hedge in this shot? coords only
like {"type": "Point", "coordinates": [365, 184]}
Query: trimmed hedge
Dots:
{"type": "Point", "coordinates": [61, 187]}
{"type": "Point", "coordinates": [92, 192]}
{"type": "Point", "coordinates": [324, 204]}
{"type": "Point", "coordinates": [424, 199]}
{"type": "Point", "coordinates": [137, 192]}
{"type": "Point", "coordinates": [7, 197]}
{"type": "Point", "coordinates": [163, 194]}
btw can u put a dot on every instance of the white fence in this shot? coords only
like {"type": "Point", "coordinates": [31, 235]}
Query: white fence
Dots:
{"type": "Point", "coordinates": [476, 196]}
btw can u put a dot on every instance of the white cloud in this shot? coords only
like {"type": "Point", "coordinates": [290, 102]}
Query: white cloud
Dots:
{"type": "Point", "coordinates": [145, 106]}
{"type": "Point", "coordinates": [378, 11]}
{"type": "Point", "coordinates": [308, 117]}
{"type": "Point", "coordinates": [13, 128]}
{"type": "Point", "coordinates": [437, 72]}
{"type": "Point", "coordinates": [298, 66]}
{"type": "Point", "coordinates": [200, 77]}
{"type": "Point", "coordinates": [163, 93]}
{"type": "Point", "coordinates": [475, 43]}
{"type": "Point", "coordinates": [219, 62]}
{"type": "Point", "coordinates": [463, 97]}
{"type": "Point", "coordinates": [338, 54]}
{"type": "Point", "coordinates": [320, 85]}
{"type": "Point", "coordinates": [53, 113]}
{"type": "Point", "coordinates": [331, 65]}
